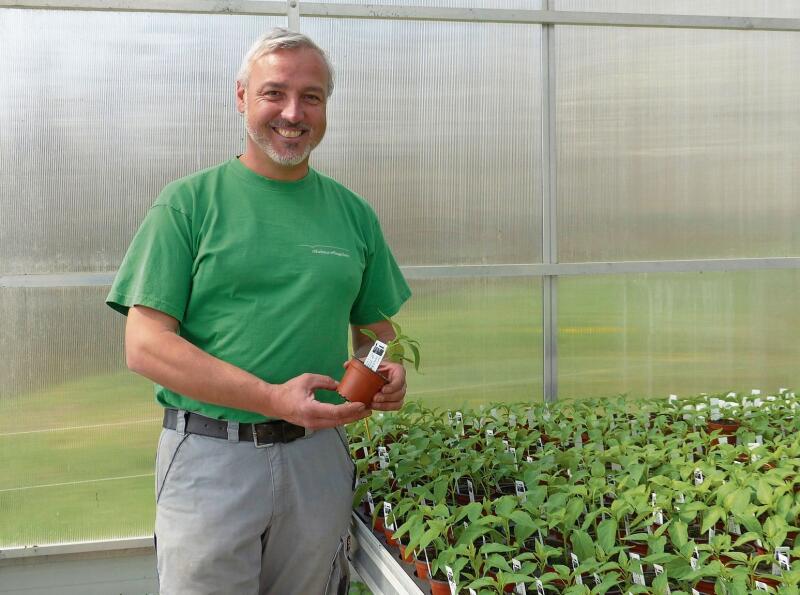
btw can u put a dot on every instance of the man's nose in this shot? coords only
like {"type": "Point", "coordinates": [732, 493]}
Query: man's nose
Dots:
{"type": "Point", "coordinates": [292, 110]}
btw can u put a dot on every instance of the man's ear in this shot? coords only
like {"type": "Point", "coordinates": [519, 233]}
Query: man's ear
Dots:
{"type": "Point", "coordinates": [241, 96]}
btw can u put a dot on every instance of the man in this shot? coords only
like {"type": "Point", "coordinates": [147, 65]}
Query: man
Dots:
{"type": "Point", "coordinates": [239, 288]}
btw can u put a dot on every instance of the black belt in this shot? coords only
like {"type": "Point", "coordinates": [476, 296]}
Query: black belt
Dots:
{"type": "Point", "coordinates": [263, 434]}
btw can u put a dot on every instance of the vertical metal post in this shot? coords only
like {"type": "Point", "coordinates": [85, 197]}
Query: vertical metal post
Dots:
{"type": "Point", "coordinates": [549, 215]}
{"type": "Point", "coordinates": [293, 15]}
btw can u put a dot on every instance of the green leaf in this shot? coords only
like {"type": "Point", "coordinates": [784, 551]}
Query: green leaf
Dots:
{"type": "Point", "coordinates": [582, 545]}
{"type": "Point", "coordinates": [711, 517]}
{"type": "Point", "coordinates": [607, 534]}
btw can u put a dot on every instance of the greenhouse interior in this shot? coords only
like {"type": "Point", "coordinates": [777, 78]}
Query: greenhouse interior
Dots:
{"type": "Point", "coordinates": [595, 204]}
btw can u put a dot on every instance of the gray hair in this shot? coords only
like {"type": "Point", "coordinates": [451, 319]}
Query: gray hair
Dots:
{"type": "Point", "coordinates": [280, 39]}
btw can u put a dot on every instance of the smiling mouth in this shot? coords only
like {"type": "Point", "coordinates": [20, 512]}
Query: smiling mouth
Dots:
{"type": "Point", "coordinates": [288, 132]}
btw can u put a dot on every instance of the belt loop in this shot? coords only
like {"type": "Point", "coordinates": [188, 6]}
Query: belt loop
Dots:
{"type": "Point", "coordinates": [233, 431]}
{"type": "Point", "coordinates": [180, 422]}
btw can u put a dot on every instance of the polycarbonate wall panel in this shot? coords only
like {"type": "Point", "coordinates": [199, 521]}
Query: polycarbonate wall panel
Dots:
{"type": "Point", "coordinates": [677, 144]}
{"type": "Point", "coordinates": [94, 126]}
{"type": "Point", "coordinates": [77, 431]}
{"type": "Point", "coordinates": [481, 340]}
{"type": "Point", "coordinates": [652, 335]}
{"type": "Point", "coordinates": [727, 8]}
{"type": "Point", "coordinates": [438, 126]}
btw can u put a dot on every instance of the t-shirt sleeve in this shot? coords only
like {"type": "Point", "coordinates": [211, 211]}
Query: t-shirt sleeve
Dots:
{"type": "Point", "coordinates": [383, 287]}
{"type": "Point", "coordinates": [157, 269]}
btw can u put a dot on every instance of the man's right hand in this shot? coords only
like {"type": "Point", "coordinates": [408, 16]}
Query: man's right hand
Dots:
{"type": "Point", "coordinates": [294, 401]}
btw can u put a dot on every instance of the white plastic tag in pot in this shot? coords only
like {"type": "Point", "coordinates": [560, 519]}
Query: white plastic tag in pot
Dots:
{"type": "Point", "coordinates": [450, 580]}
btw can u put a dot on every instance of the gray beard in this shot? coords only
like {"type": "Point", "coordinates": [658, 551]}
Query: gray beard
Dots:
{"type": "Point", "coordinates": [286, 159]}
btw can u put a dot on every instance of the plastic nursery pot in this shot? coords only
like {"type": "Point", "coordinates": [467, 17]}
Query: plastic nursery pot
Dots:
{"type": "Point", "coordinates": [359, 383]}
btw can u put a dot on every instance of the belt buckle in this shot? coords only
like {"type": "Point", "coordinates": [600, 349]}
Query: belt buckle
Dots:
{"type": "Point", "coordinates": [255, 439]}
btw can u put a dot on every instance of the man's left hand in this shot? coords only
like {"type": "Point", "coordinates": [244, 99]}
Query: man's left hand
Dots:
{"type": "Point", "coordinates": [391, 396]}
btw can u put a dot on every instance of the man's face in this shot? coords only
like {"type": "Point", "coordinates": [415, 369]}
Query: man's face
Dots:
{"type": "Point", "coordinates": [284, 107]}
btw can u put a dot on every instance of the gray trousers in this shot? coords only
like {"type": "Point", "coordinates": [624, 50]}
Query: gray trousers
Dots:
{"type": "Point", "coordinates": [233, 519]}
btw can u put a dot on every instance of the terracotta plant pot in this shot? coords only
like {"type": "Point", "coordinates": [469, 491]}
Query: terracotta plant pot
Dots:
{"type": "Point", "coordinates": [439, 587]}
{"type": "Point", "coordinates": [359, 383]}
{"type": "Point", "coordinates": [726, 428]}
{"type": "Point", "coordinates": [387, 533]}
{"type": "Point", "coordinates": [422, 568]}
{"type": "Point", "coordinates": [409, 558]}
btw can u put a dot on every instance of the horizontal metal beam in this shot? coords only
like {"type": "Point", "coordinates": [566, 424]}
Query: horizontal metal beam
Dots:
{"type": "Point", "coordinates": [419, 13]}
{"type": "Point", "coordinates": [599, 268]}
{"type": "Point", "coordinates": [478, 270]}
{"type": "Point", "coordinates": [239, 7]}
{"type": "Point", "coordinates": [84, 547]}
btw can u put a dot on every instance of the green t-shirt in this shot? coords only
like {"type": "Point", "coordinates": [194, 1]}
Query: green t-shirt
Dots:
{"type": "Point", "coordinates": [263, 274]}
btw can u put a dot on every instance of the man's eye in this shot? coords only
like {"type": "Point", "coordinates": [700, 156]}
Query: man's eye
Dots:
{"type": "Point", "coordinates": [272, 94]}
{"type": "Point", "coordinates": [313, 99]}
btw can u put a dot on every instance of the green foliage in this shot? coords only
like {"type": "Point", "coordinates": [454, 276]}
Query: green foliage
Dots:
{"type": "Point", "coordinates": [397, 348]}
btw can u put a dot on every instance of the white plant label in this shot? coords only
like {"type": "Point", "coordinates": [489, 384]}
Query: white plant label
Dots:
{"type": "Point", "coordinates": [658, 569]}
{"type": "Point", "coordinates": [711, 534]}
{"type": "Point", "coordinates": [460, 421]}
{"type": "Point", "coordinates": [733, 526]}
{"type": "Point", "coordinates": [512, 421]}
{"type": "Point", "coordinates": [470, 491]}
{"type": "Point", "coordinates": [715, 411]}
{"type": "Point", "coordinates": [616, 467]}
{"type": "Point", "coordinates": [450, 580]}
{"type": "Point", "coordinates": [637, 576]}
{"type": "Point", "coordinates": [506, 446]}
{"type": "Point", "coordinates": [541, 443]}
{"type": "Point", "coordinates": [449, 418]}
{"type": "Point", "coordinates": [698, 477]}
{"type": "Point", "coordinates": [489, 435]}
{"type": "Point", "coordinates": [658, 516]}
{"type": "Point", "coordinates": [472, 592]}
{"type": "Point", "coordinates": [578, 440]}
{"type": "Point", "coordinates": [575, 563]}
{"type": "Point", "coordinates": [596, 578]}
{"type": "Point", "coordinates": [531, 418]}
{"type": "Point", "coordinates": [653, 499]}
{"type": "Point", "coordinates": [370, 503]}
{"type": "Point", "coordinates": [387, 516]}
{"type": "Point", "coordinates": [695, 592]}
{"type": "Point", "coordinates": [516, 566]}
{"type": "Point", "coordinates": [672, 398]}
{"type": "Point", "coordinates": [383, 457]}
{"type": "Point", "coordinates": [782, 559]}
{"type": "Point", "coordinates": [519, 487]}
{"type": "Point", "coordinates": [722, 440]}
{"type": "Point", "coordinates": [493, 412]}
{"type": "Point", "coordinates": [529, 459]}
{"type": "Point", "coordinates": [539, 587]}
{"type": "Point", "coordinates": [375, 356]}
{"type": "Point", "coordinates": [695, 558]}
{"type": "Point", "coordinates": [755, 391]}
{"type": "Point", "coordinates": [761, 586]}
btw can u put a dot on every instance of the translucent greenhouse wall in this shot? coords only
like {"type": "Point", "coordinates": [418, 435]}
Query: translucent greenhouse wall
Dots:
{"type": "Point", "coordinates": [669, 144]}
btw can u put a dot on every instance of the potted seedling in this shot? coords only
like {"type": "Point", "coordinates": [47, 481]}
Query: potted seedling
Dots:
{"type": "Point", "coordinates": [361, 380]}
